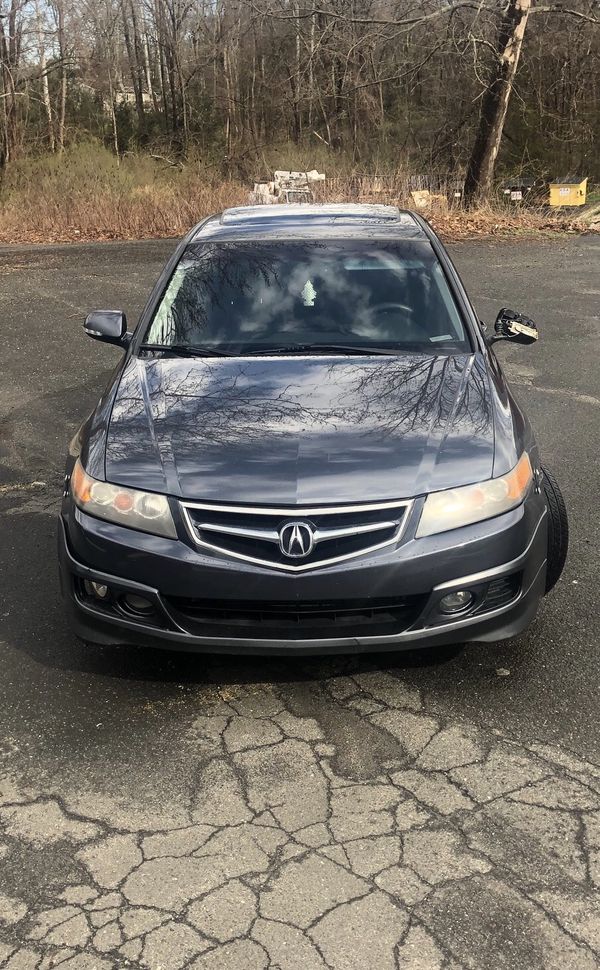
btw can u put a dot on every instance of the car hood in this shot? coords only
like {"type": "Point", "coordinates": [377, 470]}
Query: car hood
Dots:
{"type": "Point", "coordinates": [300, 430]}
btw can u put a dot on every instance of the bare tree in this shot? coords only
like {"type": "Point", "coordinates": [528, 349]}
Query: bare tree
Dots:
{"type": "Point", "coordinates": [482, 163]}
{"type": "Point", "coordinates": [44, 76]}
{"type": "Point", "coordinates": [11, 37]}
{"type": "Point", "coordinates": [459, 88]}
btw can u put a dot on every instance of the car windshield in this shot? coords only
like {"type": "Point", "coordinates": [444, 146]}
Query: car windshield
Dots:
{"type": "Point", "coordinates": [309, 296]}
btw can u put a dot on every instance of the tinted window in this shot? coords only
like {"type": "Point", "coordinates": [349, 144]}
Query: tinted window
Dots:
{"type": "Point", "coordinates": [258, 296]}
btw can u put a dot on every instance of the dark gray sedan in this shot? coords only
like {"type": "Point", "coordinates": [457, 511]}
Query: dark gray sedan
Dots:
{"type": "Point", "coordinates": [308, 446]}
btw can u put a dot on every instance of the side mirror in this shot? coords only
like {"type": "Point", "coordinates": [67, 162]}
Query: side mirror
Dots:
{"type": "Point", "coordinates": [514, 326]}
{"type": "Point", "coordinates": [107, 325]}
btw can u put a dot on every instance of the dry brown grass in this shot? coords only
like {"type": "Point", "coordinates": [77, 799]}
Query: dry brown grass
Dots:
{"type": "Point", "coordinates": [86, 195]}
{"type": "Point", "coordinates": [452, 221]}
{"type": "Point", "coordinates": [102, 215]}
{"type": "Point", "coordinates": [92, 215]}
{"type": "Point", "coordinates": [490, 221]}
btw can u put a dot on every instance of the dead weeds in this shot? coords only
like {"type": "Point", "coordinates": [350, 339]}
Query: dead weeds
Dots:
{"type": "Point", "coordinates": [85, 203]}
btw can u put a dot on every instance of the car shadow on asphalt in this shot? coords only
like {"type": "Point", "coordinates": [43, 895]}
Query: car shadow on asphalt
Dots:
{"type": "Point", "coordinates": [33, 620]}
{"type": "Point", "coordinates": [55, 689]}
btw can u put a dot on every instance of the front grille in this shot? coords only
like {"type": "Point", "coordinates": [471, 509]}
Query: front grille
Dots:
{"type": "Point", "coordinates": [319, 619]}
{"type": "Point", "coordinates": [258, 534]}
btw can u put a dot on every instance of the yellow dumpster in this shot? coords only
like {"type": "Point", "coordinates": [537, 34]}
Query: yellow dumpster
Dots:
{"type": "Point", "coordinates": [568, 191]}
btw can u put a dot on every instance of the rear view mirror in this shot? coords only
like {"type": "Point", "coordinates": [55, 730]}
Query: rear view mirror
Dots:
{"type": "Point", "coordinates": [514, 326]}
{"type": "Point", "coordinates": [107, 325]}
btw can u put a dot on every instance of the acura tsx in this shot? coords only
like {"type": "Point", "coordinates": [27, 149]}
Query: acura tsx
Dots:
{"type": "Point", "coordinates": [309, 445]}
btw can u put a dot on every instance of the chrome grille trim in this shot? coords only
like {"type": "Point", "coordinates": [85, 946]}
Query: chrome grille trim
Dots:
{"type": "Point", "coordinates": [267, 535]}
{"type": "Point", "coordinates": [403, 507]}
{"type": "Point", "coordinates": [297, 511]}
{"type": "Point", "coordinates": [271, 535]}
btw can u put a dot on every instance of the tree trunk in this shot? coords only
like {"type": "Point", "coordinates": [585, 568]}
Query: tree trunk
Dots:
{"type": "Point", "coordinates": [297, 91]}
{"type": "Point", "coordinates": [62, 107]}
{"type": "Point", "coordinates": [311, 71]}
{"type": "Point", "coordinates": [480, 170]}
{"type": "Point", "coordinates": [132, 46]}
{"type": "Point", "coordinates": [147, 71]}
{"type": "Point", "coordinates": [162, 65]}
{"type": "Point", "coordinates": [10, 62]}
{"type": "Point", "coordinates": [62, 48]}
{"type": "Point", "coordinates": [44, 77]}
{"type": "Point", "coordinates": [138, 48]}
{"type": "Point", "coordinates": [113, 115]}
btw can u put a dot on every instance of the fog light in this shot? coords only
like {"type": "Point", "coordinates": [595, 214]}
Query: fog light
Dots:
{"type": "Point", "coordinates": [97, 590]}
{"type": "Point", "coordinates": [455, 602]}
{"type": "Point", "coordinates": [137, 604]}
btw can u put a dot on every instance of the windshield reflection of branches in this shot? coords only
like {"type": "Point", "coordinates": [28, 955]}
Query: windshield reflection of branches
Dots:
{"type": "Point", "coordinates": [209, 276]}
{"type": "Point", "coordinates": [239, 294]}
{"type": "Point", "coordinates": [218, 283]}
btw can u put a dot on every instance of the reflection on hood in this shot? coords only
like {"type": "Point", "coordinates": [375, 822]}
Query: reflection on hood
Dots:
{"type": "Point", "coordinates": [299, 430]}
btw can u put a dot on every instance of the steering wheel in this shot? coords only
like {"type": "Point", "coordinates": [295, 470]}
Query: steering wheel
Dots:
{"type": "Point", "coordinates": [348, 330]}
{"type": "Point", "coordinates": [407, 311]}
{"type": "Point", "coordinates": [386, 307]}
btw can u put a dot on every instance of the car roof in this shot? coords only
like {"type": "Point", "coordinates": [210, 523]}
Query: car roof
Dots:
{"type": "Point", "coordinates": [349, 220]}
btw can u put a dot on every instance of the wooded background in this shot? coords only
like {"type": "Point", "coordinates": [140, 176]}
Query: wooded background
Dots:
{"type": "Point", "coordinates": [476, 89]}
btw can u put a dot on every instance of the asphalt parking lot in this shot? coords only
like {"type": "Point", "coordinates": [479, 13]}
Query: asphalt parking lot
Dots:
{"type": "Point", "coordinates": [418, 811]}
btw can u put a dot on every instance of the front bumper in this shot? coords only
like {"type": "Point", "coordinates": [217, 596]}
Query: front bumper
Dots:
{"type": "Point", "coordinates": [513, 545]}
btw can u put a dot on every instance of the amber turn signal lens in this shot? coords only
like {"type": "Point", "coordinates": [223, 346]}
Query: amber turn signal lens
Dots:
{"type": "Point", "coordinates": [81, 484]}
{"type": "Point", "coordinates": [518, 479]}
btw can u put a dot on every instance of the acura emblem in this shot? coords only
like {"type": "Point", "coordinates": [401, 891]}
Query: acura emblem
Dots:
{"type": "Point", "coordinates": [296, 539]}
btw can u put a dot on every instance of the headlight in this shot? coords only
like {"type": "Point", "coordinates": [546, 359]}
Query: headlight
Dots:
{"type": "Point", "coordinates": [145, 511]}
{"type": "Point", "coordinates": [474, 503]}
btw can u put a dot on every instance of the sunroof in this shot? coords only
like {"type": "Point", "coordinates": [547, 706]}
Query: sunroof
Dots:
{"type": "Point", "coordinates": [274, 213]}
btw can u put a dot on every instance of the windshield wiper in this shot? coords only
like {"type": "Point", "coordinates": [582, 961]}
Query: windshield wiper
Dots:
{"type": "Point", "coordinates": [189, 350]}
{"type": "Point", "coordinates": [186, 350]}
{"type": "Point", "coordinates": [323, 349]}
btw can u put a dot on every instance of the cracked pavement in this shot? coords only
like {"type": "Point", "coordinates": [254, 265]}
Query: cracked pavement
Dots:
{"type": "Point", "coordinates": [407, 812]}
{"type": "Point", "coordinates": [280, 859]}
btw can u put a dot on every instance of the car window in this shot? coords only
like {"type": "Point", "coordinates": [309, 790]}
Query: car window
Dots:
{"type": "Point", "coordinates": [253, 296]}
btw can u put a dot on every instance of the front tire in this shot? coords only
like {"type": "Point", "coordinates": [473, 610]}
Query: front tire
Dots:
{"type": "Point", "coordinates": [558, 530]}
